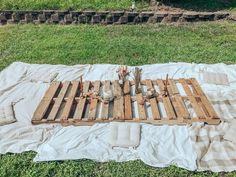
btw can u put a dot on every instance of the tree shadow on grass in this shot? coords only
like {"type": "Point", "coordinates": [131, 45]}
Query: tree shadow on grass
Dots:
{"type": "Point", "coordinates": [202, 5]}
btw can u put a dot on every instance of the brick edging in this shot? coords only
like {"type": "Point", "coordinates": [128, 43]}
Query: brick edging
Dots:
{"type": "Point", "coordinates": [106, 17]}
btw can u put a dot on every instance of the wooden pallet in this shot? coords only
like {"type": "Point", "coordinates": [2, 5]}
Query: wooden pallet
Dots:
{"type": "Point", "coordinates": [63, 103]}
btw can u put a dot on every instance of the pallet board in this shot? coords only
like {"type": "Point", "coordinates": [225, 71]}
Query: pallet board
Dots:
{"type": "Point", "coordinates": [71, 103]}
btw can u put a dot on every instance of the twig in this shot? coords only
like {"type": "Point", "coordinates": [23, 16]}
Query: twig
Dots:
{"type": "Point", "coordinates": [122, 74]}
{"type": "Point", "coordinates": [81, 86]}
{"type": "Point", "coordinates": [137, 80]}
{"type": "Point", "coordinates": [165, 87]}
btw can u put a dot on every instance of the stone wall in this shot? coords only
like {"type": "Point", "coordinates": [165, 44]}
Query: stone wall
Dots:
{"type": "Point", "coordinates": [106, 17]}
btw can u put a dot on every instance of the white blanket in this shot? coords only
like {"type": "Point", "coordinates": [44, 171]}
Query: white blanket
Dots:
{"type": "Point", "coordinates": [160, 146]}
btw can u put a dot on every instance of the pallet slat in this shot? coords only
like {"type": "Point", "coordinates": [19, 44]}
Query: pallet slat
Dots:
{"type": "Point", "coordinates": [94, 102]}
{"type": "Point", "coordinates": [173, 87]}
{"type": "Point", "coordinates": [127, 100]}
{"type": "Point", "coordinates": [160, 85]}
{"type": "Point", "coordinates": [70, 100]}
{"type": "Point", "coordinates": [141, 106]}
{"type": "Point", "coordinates": [153, 102]}
{"type": "Point", "coordinates": [183, 110]}
{"type": "Point", "coordinates": [118, 109]}
{"type": "Point", "coordinates": [81, 104]}
{"type": "Point", "coordinates": [169, 109]}
{"type": "Point", "coordinates": [167, 102]}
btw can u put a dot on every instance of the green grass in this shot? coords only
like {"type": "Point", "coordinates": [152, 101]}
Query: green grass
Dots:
{"type": "Point", "coordinates": [70, 4]}
{"type": "Point", "coordinates": [22, 165]}
{"type": "Point", "coordinates": [13, 165]}
{"type": "Point", "coordinates": [203, 5]}
{"type": "Point", "coordinates": [132, 45]}
{"type": "Point", "coordinates": [198, 5]}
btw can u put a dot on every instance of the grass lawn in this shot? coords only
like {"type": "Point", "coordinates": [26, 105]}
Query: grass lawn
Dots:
{"type": "Point", "coordinates": [70, 4]}
{"type": "Point", "coordinates": [203, 5]}
{"type": "Point", "coordinates": [199, 5]}
{"type": "Point", "coordinates": [132, 45]}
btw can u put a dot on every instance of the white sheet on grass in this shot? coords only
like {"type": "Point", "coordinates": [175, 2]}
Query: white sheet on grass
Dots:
{"type": "Point", "coordinates": [160, 146]}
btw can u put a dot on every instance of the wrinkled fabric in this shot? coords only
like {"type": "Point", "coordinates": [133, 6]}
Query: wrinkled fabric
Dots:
{"type": "Point", "coordinates": [214, 153]}
{"type": "Point", "coordinates": [160, 146]}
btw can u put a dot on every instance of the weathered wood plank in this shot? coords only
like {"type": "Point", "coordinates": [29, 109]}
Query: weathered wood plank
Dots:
{"type": "Point", "coordinates": [166, 101]}
{"type": "Point", "coordinates": [46, 101]}
{"type": "Point", "coordinates": [82, 102]}
{"type": "Point", "coordinates": [94, 102]}
{"type": "Point", "coordinates": [153, 102]}
{"type": "Point", "coordinates": [161, 86]}
{"type": "Point", "coordinates": [168, 107]}
{"type": "Point", "coordinates": [181, 106]}
{"type": "Point", "coordinates": [70, 100]}
{"type": "Point", "coordinates": [209, 108]}
{"type": "Point", "coordinates": [118, 109]}
{"type": "Point", "coordinates": [196, 87]}
{"type": "Point", "coordinates": [127, 100]}
{"type": "Point", "coordinates": [141, 106]}
{"type": "Point", "coordinates": [174, 88]}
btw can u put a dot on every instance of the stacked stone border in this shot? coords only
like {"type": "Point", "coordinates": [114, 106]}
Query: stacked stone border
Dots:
{"type": "Point", "coordinates": [106, 17]}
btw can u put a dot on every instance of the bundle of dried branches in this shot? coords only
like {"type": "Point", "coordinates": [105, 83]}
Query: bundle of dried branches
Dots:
{"type": "Point", "coordinates": [137, 80]}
